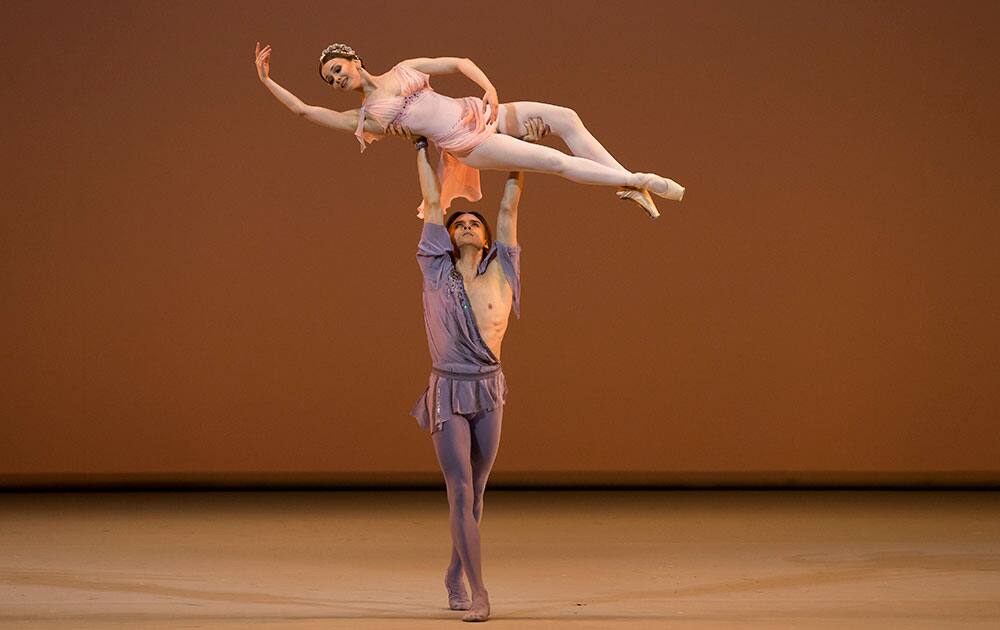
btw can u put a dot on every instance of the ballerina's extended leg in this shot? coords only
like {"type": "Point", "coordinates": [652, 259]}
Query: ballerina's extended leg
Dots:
{"type": "Point", "coordinates": [502, 152]}
{"type": "Point", "coordinates": [566, 124]}
{"type": "Point", "coordinates": [505, 153]}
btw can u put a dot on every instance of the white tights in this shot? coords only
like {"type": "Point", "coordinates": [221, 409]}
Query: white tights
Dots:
{"type": "Point", "coordinates": [590, 163]}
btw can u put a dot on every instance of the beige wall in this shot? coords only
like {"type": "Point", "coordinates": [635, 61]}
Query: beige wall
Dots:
{"type": "Point", "coordinates": [196, 281]}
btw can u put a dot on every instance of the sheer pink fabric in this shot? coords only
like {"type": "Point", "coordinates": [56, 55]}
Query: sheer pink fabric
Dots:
{"type": "Point", "coordinates": [455, 126]}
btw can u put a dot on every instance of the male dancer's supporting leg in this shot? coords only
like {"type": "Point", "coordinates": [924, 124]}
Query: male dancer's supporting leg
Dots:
{"type": "Point", "coordinates": [466, 451]}
{"type": "Point", "coordinates": [485, 441]}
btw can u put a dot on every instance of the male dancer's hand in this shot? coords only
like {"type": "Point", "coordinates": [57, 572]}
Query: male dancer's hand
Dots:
{"type": "Point", "coordinates": [399, 130]}
{"type": "Point", "coordinates": [537, 129]}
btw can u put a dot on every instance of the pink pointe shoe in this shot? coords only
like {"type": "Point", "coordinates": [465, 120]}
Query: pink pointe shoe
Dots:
{"type": "Point", "coordinates": [663, 187]}
{"type": "Point", "coordinates": [640, 196]}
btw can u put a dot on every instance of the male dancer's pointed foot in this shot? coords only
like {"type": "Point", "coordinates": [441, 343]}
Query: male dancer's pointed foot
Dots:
{"type": "Point", "coordinates": [666, 188]}
{"type": "Point", "coordinates": [480, 610]}
{"type": "Point", "coordinates": [458, 598]}
{"type": "Point", "coordinates": [641, 197]}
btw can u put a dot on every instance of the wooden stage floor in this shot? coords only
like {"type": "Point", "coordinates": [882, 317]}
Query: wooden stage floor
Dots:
{"type": "Point", "coordinates": [552, 559]}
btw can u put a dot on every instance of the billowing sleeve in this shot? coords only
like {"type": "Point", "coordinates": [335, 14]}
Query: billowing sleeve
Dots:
{"type": "Point", "coordinates": [364, 137]}
{"type": "Point", "coordinates": [510, 262]}
{"type": "Point", "coordinates": [434, 252]}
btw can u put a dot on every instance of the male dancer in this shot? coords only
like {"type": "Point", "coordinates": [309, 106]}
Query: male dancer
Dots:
{"type": "Point", "coordinates": [470, 283]}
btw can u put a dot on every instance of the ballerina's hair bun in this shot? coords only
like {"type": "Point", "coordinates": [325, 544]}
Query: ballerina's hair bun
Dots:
{"type": "Point", "coordinates": [341, 51]}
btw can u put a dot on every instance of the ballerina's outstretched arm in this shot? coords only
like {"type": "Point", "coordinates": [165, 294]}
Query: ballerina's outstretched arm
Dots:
{"type": "Point", "coordinates": [341, 121]}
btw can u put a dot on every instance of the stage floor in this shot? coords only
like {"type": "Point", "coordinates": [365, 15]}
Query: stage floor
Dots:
{"type": "Point", "coordinates": [562, 559]}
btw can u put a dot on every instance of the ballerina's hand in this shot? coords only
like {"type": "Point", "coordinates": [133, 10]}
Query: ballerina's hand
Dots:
{"type": "Point", "coordinates": [263, 61]}
{"type": "Point", "coordinates": [397, 129]}
{"type": "Point", "coordinates": [490, 98]}
{"type": "Point", "coordinates": [537, 129]}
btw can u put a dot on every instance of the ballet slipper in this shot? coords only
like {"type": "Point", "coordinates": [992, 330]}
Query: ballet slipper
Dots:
{"type": "Point", "coordinates": [477, 614]}
{"type": "Point", "coordinates": [641, 197]}
{"type": "Point", "coordinates": [458, 599]}
{"type": "Point", "coordinates": [459, 603]}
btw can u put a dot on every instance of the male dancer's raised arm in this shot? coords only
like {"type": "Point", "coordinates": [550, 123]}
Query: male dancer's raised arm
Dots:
{"type": "Point", "coordinates": [507, 217]}
{"type": "Point", "coordinates": [428, 185]}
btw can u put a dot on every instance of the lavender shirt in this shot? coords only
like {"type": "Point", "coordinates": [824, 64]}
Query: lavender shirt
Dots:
{"type": "Point", "coordinates": [466, 376]}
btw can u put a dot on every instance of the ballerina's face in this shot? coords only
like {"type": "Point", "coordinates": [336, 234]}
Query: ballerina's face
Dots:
{"type": "Point", "coordinates": [467, 229]}
{"type": "Point", "coordinates": [342, 74]}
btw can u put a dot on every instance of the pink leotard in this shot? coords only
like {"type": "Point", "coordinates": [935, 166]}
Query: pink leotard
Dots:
{"type": "Point", "coordinates": [454, 125]}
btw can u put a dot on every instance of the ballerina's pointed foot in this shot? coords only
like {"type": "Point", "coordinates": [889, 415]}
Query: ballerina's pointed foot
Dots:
{"type": "Point", "coordinates": [666, 188]}
{"type": "Point", "coordinates": [675, 191]}
{"type": "Point", "coordinates": [641, 197]}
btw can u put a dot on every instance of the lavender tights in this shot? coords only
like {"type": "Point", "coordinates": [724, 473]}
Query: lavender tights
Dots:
{"type": "Point", "coordinates": [466, 447]}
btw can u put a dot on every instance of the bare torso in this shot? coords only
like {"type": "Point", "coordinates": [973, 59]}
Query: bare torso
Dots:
{"type": "Point", "coordinates": [491, 297]}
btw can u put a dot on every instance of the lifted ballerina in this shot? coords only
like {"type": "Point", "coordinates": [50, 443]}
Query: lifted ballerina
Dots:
{"type": "Point", "coordinates": [472, 133]}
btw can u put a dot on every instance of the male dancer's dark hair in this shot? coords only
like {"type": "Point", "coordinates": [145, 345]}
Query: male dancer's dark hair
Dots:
{"type": "Point", "coordinates": [482, 219]}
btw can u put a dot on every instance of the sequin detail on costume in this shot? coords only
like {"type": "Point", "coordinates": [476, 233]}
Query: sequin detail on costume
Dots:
{"type": "Point", "coordinates": [456, 287]}
{"type": "Point", "coordinates": [437, 404]}
{"type": "Point", "coordinates": [409, 98]}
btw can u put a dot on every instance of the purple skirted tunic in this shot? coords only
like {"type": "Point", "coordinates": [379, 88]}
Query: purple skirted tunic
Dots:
{"type": "Point", "coordinates": [465, 375]}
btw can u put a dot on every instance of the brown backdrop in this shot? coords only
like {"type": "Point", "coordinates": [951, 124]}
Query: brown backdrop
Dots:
{"type": "Point", "coordinates": [195, 281]}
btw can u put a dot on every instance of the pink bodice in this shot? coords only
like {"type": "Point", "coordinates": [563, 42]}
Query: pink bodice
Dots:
{"type": "Point", "coordinates": [455, 125]}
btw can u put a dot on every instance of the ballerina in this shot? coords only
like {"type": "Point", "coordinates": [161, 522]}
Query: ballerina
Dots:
{"type": "Point", "coordinates": [471, 133]}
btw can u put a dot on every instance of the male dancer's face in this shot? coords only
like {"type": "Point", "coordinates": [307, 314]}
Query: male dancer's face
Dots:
{"type": "Point", "coordinates": [468, 230]}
